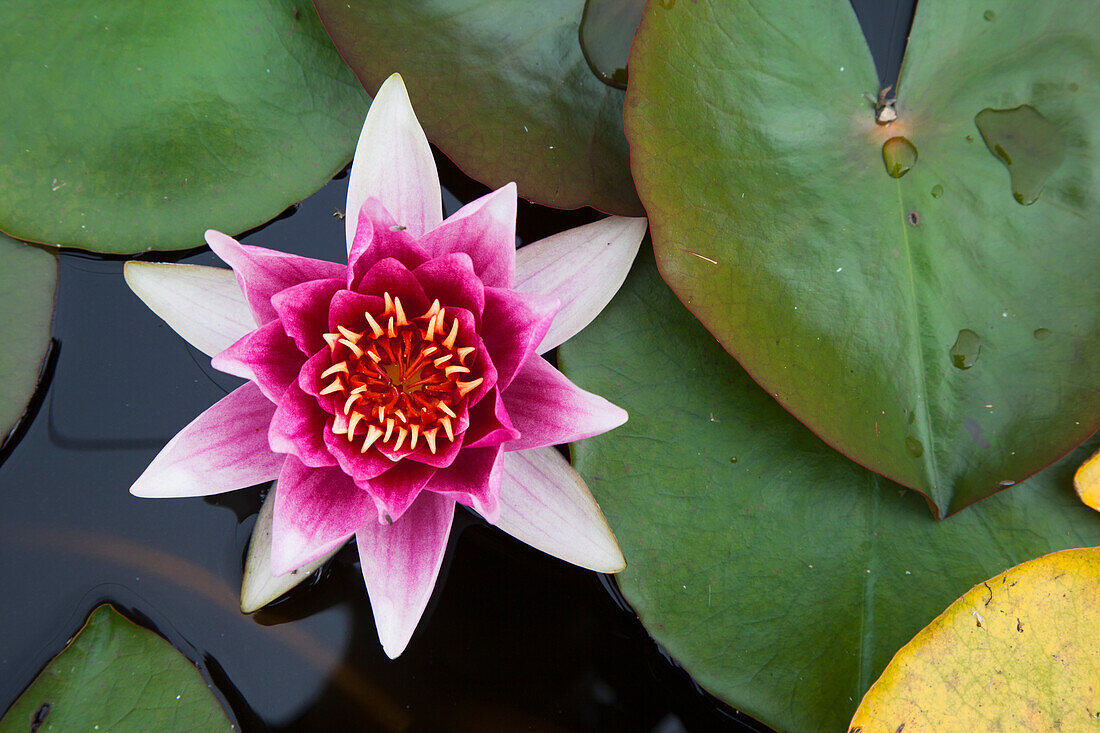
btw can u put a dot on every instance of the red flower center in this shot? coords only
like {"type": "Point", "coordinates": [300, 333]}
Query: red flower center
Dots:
{"type": "Point", "coordinates": [396, 379]}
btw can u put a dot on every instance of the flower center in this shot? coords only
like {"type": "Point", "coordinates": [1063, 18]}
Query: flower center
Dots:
{"type": "Point", "coordinates": [398, 379]}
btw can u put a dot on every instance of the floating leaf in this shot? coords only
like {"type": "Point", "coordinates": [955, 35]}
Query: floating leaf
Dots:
{"type": "Point", "coordinates": [842, 288]}
{"type": "Point", "coordinates": [128, 126]}
{"type": "Point", "coordinates": [1087, 481]}
{"type": "Point", "coordinates": [502, 88]}
{"type": "Point", "coordinates": [28, 278]}
{"type": "Point", "coordinates": [781, 575]}
{"type": "Point", "coordinates": [117, 676]}
{"type": "Point", "coordinates": [1017, 652]}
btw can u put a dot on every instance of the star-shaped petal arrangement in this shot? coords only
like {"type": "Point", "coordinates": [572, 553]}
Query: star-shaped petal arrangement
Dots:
{"type": "Point", "coordinates": [383, 391]}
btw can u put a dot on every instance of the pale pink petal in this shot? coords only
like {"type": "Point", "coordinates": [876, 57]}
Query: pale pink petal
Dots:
{"type": "Point", "coordinates": [202, 304]}
{"type": "Point", "coordinates": [582, 267]}
{"type": "Point", "coordinates": [316, 511]}
{"type": "Point", "coordinates": [264, 272]}
{"type": "Point", "coordinates": [267, 356]}
{"type": "Point", "coordinates": [303, 311]}
{"type": "Point", "coordinates": [485, 229]}
{"type": "Point", "coordinates": [400, 565]}
{"type": "Point", "coordinates": [224, 448]}
{"type": "Point", "coordinates": [395, 490]}
{"type": "Point", "coordinates": [473, 480]}
{"type": "Point", "coordinates": [546, 504]}
{"type": "Point", "coordinates": [260, 586]}
{"type": "Point", "coordinates": [548, 409]}
{"type": "Point", "coordinates": [298, 427]}
{"type": "Point", "coordinates": [394, 164]}
{"type": "Point", "coordinates": [379, 237]}
{"type": "Point", "coordinates": [515, 325]}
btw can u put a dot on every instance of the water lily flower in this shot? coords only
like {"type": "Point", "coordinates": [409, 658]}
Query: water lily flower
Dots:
{"type": "Point", "coordinates": [384, 391]}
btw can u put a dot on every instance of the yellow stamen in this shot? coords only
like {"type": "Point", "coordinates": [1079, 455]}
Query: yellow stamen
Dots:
{"type": "Point", "coordinates": [389, 305]}
{"type": "Point", "coordinates": [354, 348]}
{"type": "Point", "coordinates": [389, 329]}
{"type": "Point", "coordinates": [355, 418]}
{"type": "Point", "coordinates": [400, 416]}
{"type": "Point", "coordinates": [381, 413]}
{"type": "Point", "coordinates": [336, 386]}
{"type": "Point", "coordinates": [415, 433]}
{"type": "Point", "coordinates": [449, 342]}
{"type": "Point", "coordinates": [466, 387]}
{"type": "Point", "coordinates": [442, 360]}
{"type": "Point", "coordinates": [401, 320]}
{"type": "Point", "coordinates": [360, 389]}
{"type": "Point", "coordinates": [429, 335]}
{"type": "Point", "coordinates": [429, 351]}
{"type": "Point", "coordinates": [351, 401]}
{"type": "Point", "coordinates": [373, 434]}
{"type": "Point", "coordinates": [446, 422]}
{"type": "Point", "coordinates": [445, 409]}
{"type": "Point", "coordinates": [401, 433]}
{"type": "Point", "coordinates": [349, 334]}
{"type": "Point", "coordinates": [331, 339]}
{"type": "Point", "coordinates": [373, 356]}
{"type": "Point", "coordinates": [456, 369]}
{"type": "Point", "coordinates": [389, 430]}
{"type": "Point", "coordinates": [464, 352]}
{"type": "Point", "coordinates": [433, 310]}
{"type": "Point", "coordinates": [429, 436]}
{"type": "Point", "coordinates": [341, 367]}
{"type": "Point", "coordinates": [374, 327]}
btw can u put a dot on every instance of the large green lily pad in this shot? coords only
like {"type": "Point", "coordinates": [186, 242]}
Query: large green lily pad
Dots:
{"type": "Point", "coordinates": [929, 326]}
{"type": "Point", "coordinates": [28, 279]}
{"type": "Point", "coordinates": [128, 126]}
{"type": "Point", "coordinates": [780, 574]}
{"type": "Point", "coordinates": [117, 676]}
{"type": "Point", "coordinates": [503, 88]}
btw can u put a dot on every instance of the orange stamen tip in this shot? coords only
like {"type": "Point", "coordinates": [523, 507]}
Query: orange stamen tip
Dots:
{"type": "Point", "coordinates": [360, 389]}
{"type": "Point", "coordinates": [341, 367]}
{"type": "Point", "coordinates": [388, 303]}
{"type": "Point", "coordinates": [400, 416]}
{"type": "Point", "coordinates": [442, 360]}
{"type": "Point", "coordinates": [355, 418]}
{"type": "Point", "coordinates": [401, 433]}
{"type": "Point", "coordinates": [331, 339]}
{"type": "Point", "coordinates": [353, 347]}
{"type": "Point", "coordinates": [373, 434]}
{"type": "Point", "coordinates": [374, 357]}
{"type": "Point", "coordinates": [374, 327]}
{"type": "Point", "coordinates": [401, 320]}
{"type": "Point", "coordinates": [429, 436]}
{"type": "Point", "coordinates": [349, 402]}
{"type": "Point", "coordinates": [446, 422]}
{"type": "Point", "coordinates": [433, 310]}
{"type": "Point", "coordinates": [445, 409]}
{"type": "Point", "coordinates": [429, 351]}
{"type": "Point", "coordinates": [429, 334]}
{"type": "Point", "coordinates": [381, 413]}
{"type": "Point", "coordinates": [389, 430]}
{"type": "Point", "coordinates": [456, 369]}
{"type": "Point", "coordinates": [349, 334]}
{"type": "Point", "coordinates": [389, 329]}
{"type": "Point", "coordinates": [464, 352]}
{"type": "Point", "coordinates": [336, 386]}
{"type": "Point", "coordinates": [414, 433]}
{"type": "Point", "coordinates": [465, 388]}
{"type": "Point", "coordinates": [449, 342]}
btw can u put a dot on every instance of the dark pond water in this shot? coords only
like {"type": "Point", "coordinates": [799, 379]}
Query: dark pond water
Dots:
{"type": "Point", "coordinates": [512, 640]}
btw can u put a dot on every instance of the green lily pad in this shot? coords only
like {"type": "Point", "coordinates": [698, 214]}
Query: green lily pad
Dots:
{"type": "Point", "coordinates": [117, 676]}
{"type": "Point", "coordinates": [128, 126]}
{"type": "Point", "coordinates": [28, 279]}
{"type": "Point", "coordinates": [930, 326]}
{"type": "Point", "coordinates": [502, 88]}
{"type": "Point", "coordinates": [780, 574]}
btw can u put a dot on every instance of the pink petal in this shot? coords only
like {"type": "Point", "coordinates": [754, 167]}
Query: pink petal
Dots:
{"type": "Point", "coordinates": [548, 409]}
{"type": "Point", "coordinates": [362, 467]}
{"type": "Point", "coordinates": [545, 503]}
{"type": "Point", "coordinates": [452, 281]}
{"type": "Point", "coordinates": [490, 424]}
{"type": "Point", "coordinates": [485, 229]}
{"type": "Point", "coordinates": [316, 511]}
{"type": "Point", "coordinates": [400, 565]}
{"type": "Point", "coordinates": [298, 428]}
{"type": "Point", "coordinates": [473, 480]}
{"type": "Point", "coordinates": [582, 267]}
{"type": "Point", "coordinates": [303, 311]}
{"type": "Point", "coordinates": [514, 326]}
{"type": "Point", "coordinates": [223, 449]}
{"type": "Point", "coordinates": [264, 272]}
{"type": "Point", "coordinates": [202, 304]}
{"type": "Point", "coordinates": [395, 490]}
{"type": "Point", "coordinates": [394, 164]}
{"type": "Point", "coordinates": [267, 356]}
{"type": "Point", "coordinates": [391, 276]}
{"type": "Point", "coordinates": [379, 237]}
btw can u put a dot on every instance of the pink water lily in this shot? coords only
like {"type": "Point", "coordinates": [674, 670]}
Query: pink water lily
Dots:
{"type": "Point", "coordinates": [384, 391]}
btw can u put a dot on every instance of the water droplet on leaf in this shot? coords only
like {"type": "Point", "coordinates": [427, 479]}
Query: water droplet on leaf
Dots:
{"type": "Point", "coordinates": [966, 349]}
{"type": "Point", "coordinates": [937, 191]}
{"type": "Point", "coordinates": [899, 155]}
{"type": "Point", "coordinates": [733, 460]}
{"type": "Point", "coordinates": [989, 15]}
{"type": "Point", "coordinates": [1027, 143]}
{"type": "Point", "coordinates": [1042, 333]}
{"type": "Point", "coordinates": [914, 447]}
{"type": "Point", "coordinates": [607, 28]}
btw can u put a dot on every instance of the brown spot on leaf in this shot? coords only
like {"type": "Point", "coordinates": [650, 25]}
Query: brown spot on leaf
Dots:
{"type": "Point", "coordinates": [913, 218]}
{"type": "Point", "coordinates": [40, 717]}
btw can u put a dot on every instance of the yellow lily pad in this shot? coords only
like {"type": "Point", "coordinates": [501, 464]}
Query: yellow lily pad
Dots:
{"type": "Point", "coordinates": [1087, 481]}
{"type": "Point", "coordinates": [1017, 652]}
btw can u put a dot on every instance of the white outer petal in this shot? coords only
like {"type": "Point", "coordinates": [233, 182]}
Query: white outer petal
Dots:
{"type": "Point", "coordinates": [546, 504]}
{"type": "Point", "coordinates": [202, 304]}
{"type": "Point", "coordinates": [259, 586]}
{"type": "Point", "coordinates": [582, 267]}
{"type": "Point", "coordinates": [393, 162]}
